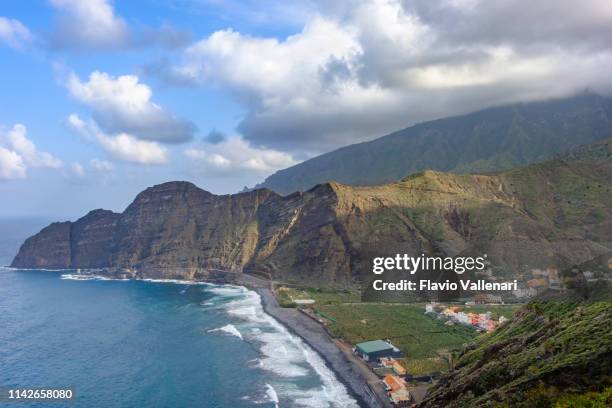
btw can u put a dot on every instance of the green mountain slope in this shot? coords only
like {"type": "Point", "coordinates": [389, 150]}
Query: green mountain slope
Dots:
{"type": "Point", "coordinates": [492, 139]}
{"type": "Point", "coordinates": [555, 352]}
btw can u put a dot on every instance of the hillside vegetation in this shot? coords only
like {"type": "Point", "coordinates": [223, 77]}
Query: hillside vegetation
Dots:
{"type": "Point", "coordinates": [556, 352]}
{"type": "Point", "coordinates": [489, 140]}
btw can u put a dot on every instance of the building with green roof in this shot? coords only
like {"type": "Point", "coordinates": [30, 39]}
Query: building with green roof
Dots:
{"type": "Point", "coordinates": [375, 349]}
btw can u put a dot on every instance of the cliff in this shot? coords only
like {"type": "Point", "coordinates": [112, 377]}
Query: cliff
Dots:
{"type": "Point", "coordinates": [552, 214]}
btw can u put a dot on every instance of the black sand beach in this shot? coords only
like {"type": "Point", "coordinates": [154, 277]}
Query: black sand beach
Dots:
{"type": "Point", "coordinates": [313, 333]}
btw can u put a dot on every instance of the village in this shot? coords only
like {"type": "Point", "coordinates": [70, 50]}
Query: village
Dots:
{"type": "Point", "coordinates": [455, 315]}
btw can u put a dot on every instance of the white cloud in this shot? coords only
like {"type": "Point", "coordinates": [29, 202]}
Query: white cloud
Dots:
{"type": "Point", "coordinates": [17, 153]}
{"type": "Point", "coordinates": [360, 69]}
{"type": "Point", "coordinates": [77, 169]}
{"type": "Point", "coordinates": [88, 24]}
{"type": "Point", "coordinates": [234, 155]}
{"type": "Point", "coordinates": [16, 140]}
{"type": "Point", "coordinates": [123, 105]}
{"type": "Point", "coordinates": [101, 165]}
{"type": "Point", "coordinates": [14, 33]}
{"type": "Point", "coordinates": [121, 146]}
{"type": "Point", "coordinates": [11, 165]}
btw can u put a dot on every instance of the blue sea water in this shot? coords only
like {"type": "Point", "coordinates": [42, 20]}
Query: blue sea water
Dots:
{"type": "Point", "coordinates": [153, 344]}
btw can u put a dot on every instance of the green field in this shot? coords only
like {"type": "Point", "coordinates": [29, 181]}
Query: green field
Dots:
{"type": "Point", "coordinates": [425, 341]}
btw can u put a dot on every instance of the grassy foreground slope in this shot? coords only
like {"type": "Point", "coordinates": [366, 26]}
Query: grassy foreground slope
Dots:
{"type": "Point", "coordinates": [556, 352]}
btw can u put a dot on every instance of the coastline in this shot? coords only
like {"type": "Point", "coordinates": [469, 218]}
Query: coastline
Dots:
{"type": "Point", "coordinates": [313, 334]}
{"type": "Point", "coordinates": [348, 372]}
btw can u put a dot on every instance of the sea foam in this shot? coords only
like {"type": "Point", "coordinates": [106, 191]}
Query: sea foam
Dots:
{"type": "Point", "coordinates": [284, 354]}
{"type": "Point", "coordinates": [229, 329]}
{"type": "Point", "coordinates": [272, 395]}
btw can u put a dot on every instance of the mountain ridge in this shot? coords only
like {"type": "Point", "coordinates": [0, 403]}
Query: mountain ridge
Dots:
{"type": "Point", "coordinates": [551, 214]}
{"type": "Point", "coordinates": [496, 138]}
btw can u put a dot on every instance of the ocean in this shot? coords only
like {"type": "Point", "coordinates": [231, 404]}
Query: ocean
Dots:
{"type": "Point", "coordinates": [153, 344]}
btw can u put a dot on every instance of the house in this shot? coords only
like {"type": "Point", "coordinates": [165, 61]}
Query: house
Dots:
{"type": "Point", "coordinates": [553, 279]}
{"type": "Point", "coordinates": [525, 292]}
{"type": "Point", "coordinates": [394, 365]}
{"type": "Point", "coordinates": [397, 391]}
{"type": "Point", "coordinates": [490, 325]}
{"type": "Point", "coordinates": [540, 283]}
{"type": "Point", "coordinates": [484, 298]}
{"type": "Point", "coordinates": [400, 398]}
{"type": "Point", "coordinates": [398, 368]}
{"type": "Point", "coordinates": [373, 350]}
{"type": "Point", "coordinates": [393, 383]}
{"type": "Point", "coordinates": [539, 272]}
{"type": "Point", "coordinates": [463, 318]}
{"type": "Point", "coordinates": [474, 318]}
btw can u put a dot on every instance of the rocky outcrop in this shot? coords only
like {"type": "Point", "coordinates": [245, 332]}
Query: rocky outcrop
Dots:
{"type": "Point", "coordinates": [554, 214]}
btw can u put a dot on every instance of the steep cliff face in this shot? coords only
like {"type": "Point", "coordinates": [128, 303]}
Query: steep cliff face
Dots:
{"type": "Point", "coordinates": [553, 214]}
{"type": "Point", "coordinates": [92, 239]}
{"type": "Point", "coordinates": [50, 248]}
{"type": "Point", "coordinates": [180, 225]}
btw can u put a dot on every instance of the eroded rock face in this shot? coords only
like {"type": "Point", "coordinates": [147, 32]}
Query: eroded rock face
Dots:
{"type": "Point", "coordinates": [50, 248]}
{"type": "Point", "coordinates": [549, 215]}
{"type": "Point", "coordinates": [92, 239]}
{"type": "Point", "coordinates": [180, 225]}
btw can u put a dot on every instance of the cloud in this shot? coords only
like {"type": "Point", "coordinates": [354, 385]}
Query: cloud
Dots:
{"type": "Point", "coordinates": [123, 105]}
{"type": "Point", "coordinates": [77, 169]}
{"type": "Point", "coordinates": [214, 137]}
{"type": "Point", "coordinates": [11, 165]}
{"type": "Point", "coordinates": [93, 25]}
{"type": "Point", "coordinates": [166, 36]}
{"type": "Point", "coordinates": [88, 24]}
{"type": "Point", "coordinates": [234, 156]}
{"type": "Point", "coordinates": [17, 153]}
{"type": "Point", "coordinates": [101, 165]}
{"type": "Point", "coordinates": [17, 141]}
{"type": "Point", "coordinates": [96, 166]}
{"type": "Point", "coordinates": [121, 146]}
{"type": "Point", "coordinates": [360, 69]}
{"type": "Point", "coordinates": [14, 33]}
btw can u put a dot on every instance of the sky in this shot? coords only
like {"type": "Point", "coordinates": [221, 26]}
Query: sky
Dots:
{"type": "Point", "coordinates": [101, 99]}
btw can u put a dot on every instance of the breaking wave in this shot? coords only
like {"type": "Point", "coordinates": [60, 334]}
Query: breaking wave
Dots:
{"type": "Point", "coordinates": [229, 329]}
{"type": "Point", "coordinates": [272, 395]}
{"type": "Point", "coordinates": [282, 353]}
